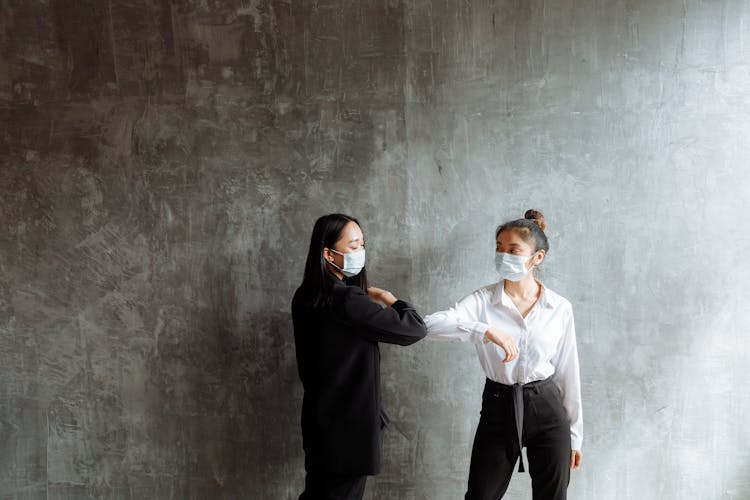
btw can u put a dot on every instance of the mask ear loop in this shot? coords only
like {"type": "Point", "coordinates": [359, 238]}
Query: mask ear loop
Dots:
{"type": "Point", "coordinates": [331, 262]}
{"type": "Point", "coordinates": [334, 265]}
{"type": "Point", "coordinates": [533, 266]}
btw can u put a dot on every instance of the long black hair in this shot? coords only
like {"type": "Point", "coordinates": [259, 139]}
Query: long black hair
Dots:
{"type": "Point", "coordinates": [316, 282]}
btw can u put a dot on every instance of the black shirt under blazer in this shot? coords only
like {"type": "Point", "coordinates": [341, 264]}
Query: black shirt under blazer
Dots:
{"type": "Point", "coordinates": [339, 365]}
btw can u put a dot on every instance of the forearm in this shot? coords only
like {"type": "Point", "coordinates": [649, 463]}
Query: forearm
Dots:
{"type": "Point", "coordinates": [570, 388]}
{"type": "Point", "coordinates": [448, 326]}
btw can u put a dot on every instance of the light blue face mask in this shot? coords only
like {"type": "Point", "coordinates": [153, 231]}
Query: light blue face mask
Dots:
{"type": "Point", "coordinates": [354, 262]}
{"type": "Point", "coordinates": [512, 267]}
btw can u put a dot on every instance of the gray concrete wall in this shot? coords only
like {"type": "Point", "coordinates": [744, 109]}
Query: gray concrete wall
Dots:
{"type": "Point", "coordinates": [161, 164]}
{"type": "Point", "coordinates": [628, 124]}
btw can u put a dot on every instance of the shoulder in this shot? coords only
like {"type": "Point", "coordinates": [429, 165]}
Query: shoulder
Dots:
{"type": "Point", "coordinates": [344, 294]}
{"type": "Point", "coordinates": [298, 298]}
{"type": "Point", "coordinates": [301, 301]}
{"type": "Point", "coordinates": [479, 296]}
{"type": "Point", "coordinates": [556, 300]}
{"type": "Point", "coordinates": [490, 289]}
{"type": "Point", "coordinates": [485, 293]}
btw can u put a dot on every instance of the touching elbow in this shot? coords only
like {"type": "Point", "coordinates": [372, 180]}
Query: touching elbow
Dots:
{"type": "Point", "coordinates": [415, 336]}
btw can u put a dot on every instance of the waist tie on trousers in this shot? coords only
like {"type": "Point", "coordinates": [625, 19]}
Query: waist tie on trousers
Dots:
{"type": "Point", "coordinates": [518, 409]}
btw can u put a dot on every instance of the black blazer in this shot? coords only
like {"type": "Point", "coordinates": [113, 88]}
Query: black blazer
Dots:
{"type": "Point", "coordinates": [339, 365]}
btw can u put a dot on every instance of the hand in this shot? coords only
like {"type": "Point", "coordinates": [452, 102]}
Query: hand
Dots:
{"type": "Point", "coordinates": [575, 459]}
{"type": "Point", "coordinates": [380, 295]}
{"type": "Point", "coordinates": [504, 341]}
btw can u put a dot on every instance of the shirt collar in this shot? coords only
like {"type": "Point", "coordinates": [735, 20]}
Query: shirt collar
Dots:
{"type": "Point", "coordinates": [547, 299]}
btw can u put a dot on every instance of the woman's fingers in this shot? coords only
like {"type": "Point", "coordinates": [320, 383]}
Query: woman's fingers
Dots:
{"type": "Point", "coordinates": [510, 348]}
{"type": "Point", "coordinates": [513, 349]}
{"type": "Point", "coordinates": [505, 342]}
{"type": "Point", "coordinates": [575, 459]}
{"type": "Point", "coordinates": [381, 295]}
{"type": "Point", "coordinates": [508, 352]}
{"type": "Point", "coordinates": [375, 293]}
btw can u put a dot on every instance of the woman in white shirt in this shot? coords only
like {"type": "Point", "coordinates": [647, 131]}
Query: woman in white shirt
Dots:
{"type": "Point", "coordinates": [525, 339]}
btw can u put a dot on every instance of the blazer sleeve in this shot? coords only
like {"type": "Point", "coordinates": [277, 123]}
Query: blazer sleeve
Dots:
{"type": "Point", "coordinates": [398, 324]}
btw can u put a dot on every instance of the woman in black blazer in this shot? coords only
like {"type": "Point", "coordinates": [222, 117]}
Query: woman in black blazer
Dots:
{"type": "Point", "coordinates": [338, 322]}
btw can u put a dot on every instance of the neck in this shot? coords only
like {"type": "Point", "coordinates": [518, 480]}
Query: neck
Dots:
{"type": "Point", "coordinates": [527, 287]}
{"type": "Point", "coordinates": [335, 272]}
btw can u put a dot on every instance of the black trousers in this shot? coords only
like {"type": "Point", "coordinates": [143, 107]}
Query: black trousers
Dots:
{"type": "Point", "coordinates": [325, 486]}
{"type": "Point", "coordinates": [546, 436]}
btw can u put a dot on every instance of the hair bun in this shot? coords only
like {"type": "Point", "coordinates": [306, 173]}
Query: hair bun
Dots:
{"type": "Point", "coordinates": [537, 217]}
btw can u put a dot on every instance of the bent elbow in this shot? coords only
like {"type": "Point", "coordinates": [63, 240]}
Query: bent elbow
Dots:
{"type": "Point", "coordinates": [415, 336]}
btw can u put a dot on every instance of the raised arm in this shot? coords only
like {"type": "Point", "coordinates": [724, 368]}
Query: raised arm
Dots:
{"type": "Point", "coordinates": [459, 323]}
{"type": "Point", "coordinates": [462, 323]}
{"type": "Point", "coordinates": [397, 323]}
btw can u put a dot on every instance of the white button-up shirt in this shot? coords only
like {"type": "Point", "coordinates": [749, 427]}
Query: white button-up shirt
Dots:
{"type": "Point", "coordinates": [546, 340]}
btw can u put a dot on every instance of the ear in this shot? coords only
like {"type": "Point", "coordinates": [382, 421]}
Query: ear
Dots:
{"type": "Point", "coordinates": [327, 255]}
{"type": "Point", "coordinates": [538, 258]}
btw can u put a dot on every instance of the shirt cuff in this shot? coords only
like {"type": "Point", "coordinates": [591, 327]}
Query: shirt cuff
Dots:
{"type": "Point", "coordinates": [576, 442]}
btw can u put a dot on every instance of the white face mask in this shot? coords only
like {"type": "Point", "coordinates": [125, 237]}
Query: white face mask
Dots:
{"type": "Point", "coordinates": [511, 267]}
{"type": "Point", "coordinates": [354, 262]}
